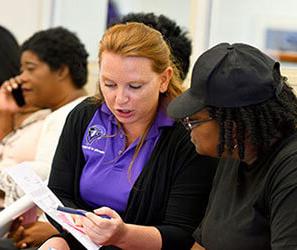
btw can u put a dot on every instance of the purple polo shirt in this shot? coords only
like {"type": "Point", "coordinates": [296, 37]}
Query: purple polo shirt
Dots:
{"type": "Point", "coordinates": [104, 180]}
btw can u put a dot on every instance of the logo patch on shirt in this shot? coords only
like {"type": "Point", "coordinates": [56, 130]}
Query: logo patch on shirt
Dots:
{"type": "Point", "coordinates": [95, 132]}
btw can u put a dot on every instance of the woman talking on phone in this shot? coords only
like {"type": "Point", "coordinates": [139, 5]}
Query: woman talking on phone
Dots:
{"type": "Point", "coordinates": [52, 75]}
{"type": "Point", "coordinates": [15, 121]}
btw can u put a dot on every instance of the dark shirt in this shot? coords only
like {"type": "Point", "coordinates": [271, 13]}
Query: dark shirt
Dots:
{"type": "Point", "coordinates": [254, 207]}
{"type": "Point", "coordinates": [171, 193]}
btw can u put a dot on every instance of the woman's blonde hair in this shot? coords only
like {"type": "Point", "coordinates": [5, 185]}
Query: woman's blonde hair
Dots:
{"type": "Point", "coordinates": [139, 40]}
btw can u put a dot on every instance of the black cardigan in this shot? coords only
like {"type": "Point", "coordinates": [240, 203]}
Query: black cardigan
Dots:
{"type": "Point", "coordinates": [171, 193]}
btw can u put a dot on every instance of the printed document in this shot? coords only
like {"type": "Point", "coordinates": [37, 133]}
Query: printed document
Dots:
{"type": "Point", "coordinates": [44, 198]}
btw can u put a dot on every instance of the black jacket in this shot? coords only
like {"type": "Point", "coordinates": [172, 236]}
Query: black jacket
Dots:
{"type": "Point", "coordinates": [171, 193]}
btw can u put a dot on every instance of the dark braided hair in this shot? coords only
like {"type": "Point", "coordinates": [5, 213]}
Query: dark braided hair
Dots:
{"type": "Point", "coordinates": [272, 119]}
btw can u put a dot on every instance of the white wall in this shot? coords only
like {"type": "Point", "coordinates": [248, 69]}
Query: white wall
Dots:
{"type": "Point", "coordinates": [176, 9]}
{"type": "Point", "coordinates": [209, 21]}
{"type": "Point", "coordinates": [246, 21]}
{"type": "Point", "coordinates": [23, 18]}
{"type": "Point", "coordinates": [85, 17]}
{"type": "Point", "coordinates": [230, 20]}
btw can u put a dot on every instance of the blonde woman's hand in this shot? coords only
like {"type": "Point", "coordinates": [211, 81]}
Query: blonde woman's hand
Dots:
{"type": "Point", "coordinates": [104, 231]}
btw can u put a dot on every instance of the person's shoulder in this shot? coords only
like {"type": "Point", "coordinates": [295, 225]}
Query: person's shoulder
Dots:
{"type": "Point", "coordinates": [283, 165]}
{"type": "Point", "coordinates": [281, 179]}
{"type": "Point", "coordinates": [177, 137]}
{"type": "Point", "coordinates": [177, 129]}
{"type": "Point", "coordinates": [87, 106]}
{"type": "Point", "coordinates": [83, 111]}
{"type": "Point", "coordinates": [179, 134]}
{"type": "Point", "coordinates": [287, 150]}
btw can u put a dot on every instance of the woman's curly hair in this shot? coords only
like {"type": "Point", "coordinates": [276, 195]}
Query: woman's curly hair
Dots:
{"type": "Point", "coordinates": [274, 118]}
{"type": "Point", "coordinates": [57, 47]}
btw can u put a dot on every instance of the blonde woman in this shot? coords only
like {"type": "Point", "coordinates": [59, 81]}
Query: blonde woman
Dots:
{"type": "Point", "coordinates": [123, 157]}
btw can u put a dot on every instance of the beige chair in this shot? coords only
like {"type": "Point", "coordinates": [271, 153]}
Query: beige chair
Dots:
{"type": "Point", "coordinates": [93, 77]}
{"type": "Point", "coordinates": [291, 73]}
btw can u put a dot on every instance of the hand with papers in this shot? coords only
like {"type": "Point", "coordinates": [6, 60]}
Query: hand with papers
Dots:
{"type": "Point", "coordinates": [104, 226]}
{"type": "Point", "coordinates": [42, 196]}
{"type": "Point", "coordinates": [103, 231]}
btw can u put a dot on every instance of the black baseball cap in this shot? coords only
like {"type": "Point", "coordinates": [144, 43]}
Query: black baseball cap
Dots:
{"type": "Point", "coordinates": [228, 75]}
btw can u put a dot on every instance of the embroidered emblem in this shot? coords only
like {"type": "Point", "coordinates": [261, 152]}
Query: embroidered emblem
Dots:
{"type": "Point", "coordinates": [95, 132]}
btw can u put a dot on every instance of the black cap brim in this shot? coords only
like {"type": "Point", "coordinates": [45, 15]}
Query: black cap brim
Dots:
{"type": "Point", "coordinates": [185, 105]}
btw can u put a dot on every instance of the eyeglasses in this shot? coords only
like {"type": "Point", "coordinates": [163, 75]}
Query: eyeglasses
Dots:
{"type": "Point", "coordinates": [190, 124]}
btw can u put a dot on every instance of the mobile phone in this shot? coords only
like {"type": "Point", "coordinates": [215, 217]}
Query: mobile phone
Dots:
{"type": "Point", "coordinates": [18, 96]}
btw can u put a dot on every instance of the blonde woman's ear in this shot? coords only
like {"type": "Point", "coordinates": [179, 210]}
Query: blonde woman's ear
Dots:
{"type": "Point", "coordinates": [166, 76]}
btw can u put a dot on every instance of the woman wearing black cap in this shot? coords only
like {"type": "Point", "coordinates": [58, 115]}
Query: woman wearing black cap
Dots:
{"type": "Point", "coordinates": [240, 108]}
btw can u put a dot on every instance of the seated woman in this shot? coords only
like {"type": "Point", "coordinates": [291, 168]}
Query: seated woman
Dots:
{"type": "Point", "coordinates": [240, 108]}
{"type": "Point", "coordinates": [20, 129]}
{"type": "Point", "coordinates": [128, 159]}
{"type": "Point", "coordinates": [53, 75]}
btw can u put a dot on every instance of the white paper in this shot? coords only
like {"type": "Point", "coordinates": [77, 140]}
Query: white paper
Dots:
{"type": "Point", "coordinates": [44, 198]}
